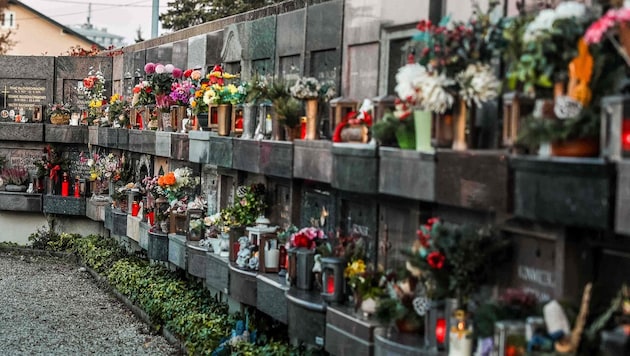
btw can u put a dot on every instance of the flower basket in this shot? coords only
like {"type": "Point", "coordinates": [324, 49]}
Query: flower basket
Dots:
{"type": "Point", "coordinates": [60, 119]}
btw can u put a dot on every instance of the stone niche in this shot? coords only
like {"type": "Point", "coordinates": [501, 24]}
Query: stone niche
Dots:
{"type": "Point", "coordinates": [318, 207]}
{"type": "Point", "coordinates": [70, 71]}
{"type": "Point", "coordinates": [284, 201]}
{"type": "Point", "coordinates": [27, 82]}
{"type": "Point", "coordinates": [180, 54]}
{"type": "Point", "coordinates": [551, 262]}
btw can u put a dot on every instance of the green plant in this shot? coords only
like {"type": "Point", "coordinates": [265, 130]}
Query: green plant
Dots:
{"type": "Point", "coordinates": [289, 111]}
{"type": "Point", "coordinates": [41, 238]}
{"type": "Point", "coordinates": [98, 252]}
{"type": "Point", "coordinates": [16, 175]}
{"type": "Point", "coordinates": [390, 127]}
{"type": "Point", "coordinates": [249, 204]}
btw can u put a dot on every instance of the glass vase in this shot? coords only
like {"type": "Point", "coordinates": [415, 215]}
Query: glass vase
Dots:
{"type": "Point", "coordinates": [422, 121]}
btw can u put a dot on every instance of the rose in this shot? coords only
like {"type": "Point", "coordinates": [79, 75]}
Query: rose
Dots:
{"type": "Point", "coordinates": [88, 82]}
{"type": "Point", "coordinates": [187, 73]}
{"type": "Point", "coordinates": [177, 73]}
{"type": "Point", "coordinates": [159, 69]}
{"type": "Point", "coordinates": [195, 75]}
{"type": "Point", "coordinates": [302, 240]}
{"type": "Point", "coordinates": [169, 68]}
{"type": "Point", "coordinates": [436, 260]}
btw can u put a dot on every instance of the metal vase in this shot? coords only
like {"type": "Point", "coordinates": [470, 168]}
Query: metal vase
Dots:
{"type": "Point", "coordinates": [312, 121]}
{"type": "Point", "coordinates": [223, 118]}
{"type": "Point", "coordinates": [305, 259]}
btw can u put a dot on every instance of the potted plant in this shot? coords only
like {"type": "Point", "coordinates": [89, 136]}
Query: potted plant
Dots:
{"type": "Point", "coordinates": [15, 179]}
{"type": "Point", "coordinates": [60, 113]}
{"type": "Point", "coordinates": [289, 111]}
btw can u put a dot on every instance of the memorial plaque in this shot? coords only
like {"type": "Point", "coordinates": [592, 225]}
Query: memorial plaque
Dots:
{"type": "Point", "coordinates": [152, 56]}
{"type": "Point", "coordinates": [139, 60]}
{"type": "Point", "coordinates": [324, 26]}
{"type": "Point", "coordinates": [165, 54]}
{"type": "Point", "coordinates": [290, 33]}
{"type": "Point", "coordinates": [26, 82]}
{"type": "Point", "coordinates": [326, 65]}
{"type": "Point", "coordinates": [214, 43]}
{"type": "Point", "coordinates": [233, 43]}
{"type": "Point", "coordinates": [27, 95]}
{"type": "Point", "coordinates": [362, 21]}
{"type": "Point", "coordinates": [261, 38]}
{"type": "Point", "coordinates": [363, 63]}
{"type": "Point", "coordinates": [318, 208]}
{"type": "Point", "coordinates": [398, 222]}
{"type": "Point", "coordinates": [290, 67]}
{"type": "Point", "coordinates": [180, 54]}
{"type": "Point", "coordinates": [263, 66]}
{"type": "Point", "coordinates": [284, 200]}
{"type": "Point", "coordinates": [25, 157]}
{"type": "Point", "coordinates": [77, 168]}
{"type": "Point", "coordinates": [196, 57]}
{"type": "Point", "coordinates": [358, 213]}
{"type": "Point", "coordinates": [70, 71]}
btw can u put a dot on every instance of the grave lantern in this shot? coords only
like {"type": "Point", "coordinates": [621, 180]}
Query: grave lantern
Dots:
{"type": "Point", "coordinates": [237, 119]}
{"type": "Point", "coordinates": [339, 108]}
{"type": "Point", "coordinates": [333, 281]}
{"type": "Point", "coordinates": [264, 118]}
{"type": "Point", "coordinates": [269, 254]}
{"type": "Point", "coordinates": [213, 117]}
{"type": "Point", "coordinates": [194, 214]}
{"type": "Point", "coordinates": [262, 227]}
{"type": "Point", "coordinates": [133, 198]}
{"type": "Point", "coordinates": [615, 127]}
{"type": "Point", "coordinates": [509, 338]}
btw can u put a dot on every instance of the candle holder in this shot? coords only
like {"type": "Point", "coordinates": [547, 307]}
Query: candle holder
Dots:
{"type": "Point", "coordinates": [333, 281]}
{"type": "Point", "coordinates": [269, 254]}
{"type": "Point", "coordinates": [509, 337]}
{"type": "Point", "coordinates": [262, 227]}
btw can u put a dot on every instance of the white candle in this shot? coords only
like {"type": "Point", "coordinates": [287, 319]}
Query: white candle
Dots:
{"type": "Point", "coordinates": [272, 258]}
{"type": "Point", "coordinates": [459, 344]}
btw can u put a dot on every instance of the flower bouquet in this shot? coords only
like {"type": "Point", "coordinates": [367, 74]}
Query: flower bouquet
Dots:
{"type": "Point", "coordinates": [306, 88]}
{"type": "Point", "coordinates": [118, 111]}
{"type": "Point", "coordinates": [178, 184]}
{"type": "Point", "coordinates": [161, 78]}
{"type": "Point", "coordinates": [93, 88]}
{"type": "Point", "coordinates": [59, 113]}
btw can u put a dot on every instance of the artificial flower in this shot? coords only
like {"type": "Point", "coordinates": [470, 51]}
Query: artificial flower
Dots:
{"type": "Point", "coordinates": [436, 260]}
{"type": "Point", "coordinates": [149, 68]}
{"type": "Point", "coordinates": [477, 84]}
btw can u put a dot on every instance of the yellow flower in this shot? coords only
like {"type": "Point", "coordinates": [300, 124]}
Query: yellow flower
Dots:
{"type": "Point", "coordinates": [354, 268]}
{"type": "Point", "coordinates": [96, 103]}
{"type": "Point", "coordinates": [114, 98]}
{"type": "Point", "coordinates": [208, 96]}
{"type": "Point", "coordinates": [232, 88]}
{"type": "Point", "coordinates": [93, 176]}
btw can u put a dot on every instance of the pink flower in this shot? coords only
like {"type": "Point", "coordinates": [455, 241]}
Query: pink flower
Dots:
{"type": "Point", "coordinates": [169, 68]}
{"type": "Point", "coordinates": [195, 75]}
{"type": "Point", "coordinates": [597, 29]}
{"type": "Point", "coordinates": [177, 73]}
{"type": "Point", "coordinates": [622, 14]}
{"type": "Point", "coordinates": [149, 68]}
{"type": "Point", "coordinates": [159, 68]}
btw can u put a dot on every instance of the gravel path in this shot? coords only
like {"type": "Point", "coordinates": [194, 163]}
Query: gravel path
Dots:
{"type": "Point", "coordinates": [51, 307]}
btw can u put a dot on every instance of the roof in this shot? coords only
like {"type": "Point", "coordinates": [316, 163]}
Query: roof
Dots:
{"type": "Point", "coordinates": [65, 29]}
{"type": "Point", "coordinates": [95, 32]}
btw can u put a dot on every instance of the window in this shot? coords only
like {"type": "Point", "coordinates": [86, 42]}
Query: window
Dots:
{"type": "Point", "coordinates": [8, 19]}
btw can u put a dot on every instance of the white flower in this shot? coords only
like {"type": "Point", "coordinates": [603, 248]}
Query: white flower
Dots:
{"type": "Point", "coordinates": [541, 23]}
{"type": "Point", "coordinates": [436, 98]}
{"type": "Point", "coordinates": [90, 162]}
{"type": "Point", "coordinates": [168, 68]}
{"type": "Point", "coordinates": [409, 80]}
{"type": "Point", "coordinates": [569, 9]}
{"type": "Point", "coordinates": [159, 69]}
{"type": "Point", "coordinates": [477, 83]}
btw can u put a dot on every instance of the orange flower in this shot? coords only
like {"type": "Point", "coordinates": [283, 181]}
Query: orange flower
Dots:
{"type": "Point", "coordinates": [169, 178]}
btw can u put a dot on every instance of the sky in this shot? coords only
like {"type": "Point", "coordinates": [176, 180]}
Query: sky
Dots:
{"type": "Point", "coordinates": [120, 17]}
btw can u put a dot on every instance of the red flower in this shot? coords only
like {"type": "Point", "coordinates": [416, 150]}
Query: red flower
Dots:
{"type": "Point", "coordinates": [187, 73]}
{"type": "Point", "coordinates": [432, 221]}
{"type": "Point", "coordinates": [436, 260]}
{"type": "Point", "coordinates": [301, 240]}
{"type": "Point", "coordinates": [424, 238]}
{"type": "Point", "coordinates": [88, 82]}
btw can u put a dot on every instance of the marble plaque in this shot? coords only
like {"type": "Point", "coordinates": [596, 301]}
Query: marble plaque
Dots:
{"type": "Point", "coordinates": [196, 52]}
{"type": "Point", "coordinates": [363, 62]}
{"type": "Point", "coordinates": [180, 55]}
{"type": "Point", "coordinates": [290, 34]}
{"type": "Point", "coordinates": [324, 26]}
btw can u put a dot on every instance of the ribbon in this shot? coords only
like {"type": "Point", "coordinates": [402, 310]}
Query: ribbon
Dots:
{"type": "Point", "coordinates": [53, 172]}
